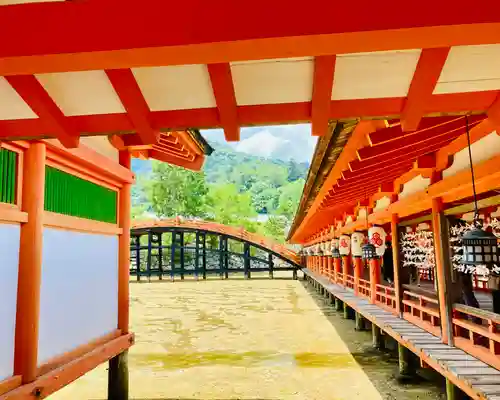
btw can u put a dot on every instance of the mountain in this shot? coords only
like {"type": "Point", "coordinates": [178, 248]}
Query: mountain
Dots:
{"type": "Point", "coordinates": [287, 142]}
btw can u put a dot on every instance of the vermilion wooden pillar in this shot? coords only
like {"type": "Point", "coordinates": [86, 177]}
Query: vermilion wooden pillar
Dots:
{"type": "Point", "coordinates": [374, 278]}
{"type": "Point", "coordinates": [337, 265]}
{"type": "Point", "coordinates": [329, 267]}
{"type": "Point", "coordinates": [443, 269]}
{"type": "Point", "coordinates": [396, 262]}
{"type": "Point", "coordinates": [346, 263]}
{"type": "Point", "coordinates": [30, 264]}
{"type": "Point", "coordinates": [358, 272]}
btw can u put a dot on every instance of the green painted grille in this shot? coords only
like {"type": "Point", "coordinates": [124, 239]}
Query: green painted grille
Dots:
{"type": "Point", "coordinates": [69, 195]}
{"type": "Point", "coordinates": [8, 176]}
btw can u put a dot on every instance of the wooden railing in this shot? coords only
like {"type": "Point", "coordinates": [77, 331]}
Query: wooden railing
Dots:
{"type": "Point", "coordinates": [364, 287]}
{"type": "Point", "coordinates": [350, 281]}
{"type": "Point", "coordinates": [480, 283]}
{"type": "Point", "coordinates": [422, 311]}
{"type": "Point", "coordinates": [478, 333]}
{"type": "Point", "coordinates": [386, 297]}
{"type": "Point", "coordinates": [339, 277]}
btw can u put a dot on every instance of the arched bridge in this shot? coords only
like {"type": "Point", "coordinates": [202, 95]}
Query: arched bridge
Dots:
{"type": "Point", "coordinates": [172, 248]}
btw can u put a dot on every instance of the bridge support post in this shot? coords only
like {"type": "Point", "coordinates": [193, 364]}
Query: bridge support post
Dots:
{"type": "Point", "coordinates": [378, 339]}
{"type": "Point", "coordinates": [118, 387]}
{"type": "Point", "coordinates": [204, 255]}
{"type": "Point", "coordinates": [406, 362]}
{"type": "Point", "coordinates": [138, 257]}
{"type": "Point", "coordinates": [294, 274]}
{"type": "Point", "coordinates": [246, 260]}
{"type": "Point", "coordinates": [271, 265]}
{"type": "Point", "coordinates": [338, 304]}
{"type": "Point", "coordinates": [181, 240]}
{"type": "Point", "coordinates": [348, 311]}
{"type": "Point", "coordinates": [453, 392]}
{"type": "Point", "coordinates": [149, 258]}
{"type": "Point", "coordinates": [359, 322]}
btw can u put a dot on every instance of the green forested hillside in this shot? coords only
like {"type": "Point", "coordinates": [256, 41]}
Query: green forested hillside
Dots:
{"type": "Point", "coordinates": [233, 188]}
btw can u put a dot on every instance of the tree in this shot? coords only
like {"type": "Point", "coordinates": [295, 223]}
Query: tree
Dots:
{"type": "Point", "coordinates": [174, 191]}
{"type": "Point", "coordinates": [289, 198]}
{"type": "Point", "coordinates": [274, 227]}
{"type": "Point", "coordinates": [228, 206]}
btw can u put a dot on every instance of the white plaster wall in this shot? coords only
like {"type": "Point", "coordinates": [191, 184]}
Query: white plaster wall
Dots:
{"type": "Point", "coordinates": [9, 265]}
{"type": "Point", "coordinates": [382, 204]}
{"type": "Point", "coordinates": [483, 149]}
{"type": "Point", "coordinates": [415, 185]}
{"type": "Point", "coordinates": [79, 292]}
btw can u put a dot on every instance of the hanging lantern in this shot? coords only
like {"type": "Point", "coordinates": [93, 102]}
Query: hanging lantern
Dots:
{"type": "Point", "coordinates": [369, 251]}
{"type": "Point", "coordinates": [479, 248]}
{"type": "Point", "coordinates": [344, 245]}
{"type": "Point", "coordinates": [376, 236]}
{"type": "Point", "coordinates": [326, 248]}
{"type": "Point", "coordinates": [357, 240]}
{"type": "Point", "coordinates": [334, 248]}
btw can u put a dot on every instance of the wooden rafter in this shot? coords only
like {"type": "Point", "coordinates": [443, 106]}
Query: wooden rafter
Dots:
{"type": "Point", "coordinates": [223, 87]}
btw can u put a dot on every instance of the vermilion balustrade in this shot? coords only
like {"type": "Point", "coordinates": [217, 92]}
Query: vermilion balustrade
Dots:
{"type": "Point", "coordinates": [386, 297]}
{"type": "Point", "coordinates": [364, 287]}
{"type": "Point", "coordinates": [422, 311]}
{"type": "Point", "coordinates": [478, 333]}
{"type": "Point", "coordinates": [350, 281]}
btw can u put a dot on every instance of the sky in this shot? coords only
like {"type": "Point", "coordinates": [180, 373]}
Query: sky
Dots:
{"type": "Point", "coordinates": [284, 142]}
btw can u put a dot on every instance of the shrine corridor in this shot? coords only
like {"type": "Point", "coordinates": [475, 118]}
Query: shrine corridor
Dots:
{"type": "Point", "coordinates": [248, 339]}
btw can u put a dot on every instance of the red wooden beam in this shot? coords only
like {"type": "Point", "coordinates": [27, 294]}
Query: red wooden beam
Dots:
{"type": "Point", "coordinates": [34, 94]}
{"type": "Point", "coordinates": [395, 132]}
{"type": "Point", "coordinates": [404, 154]}
{"type": "Point", "coordinates": [134, 103]}
{"type": "Point", "coordinates": [429, 67]}
{"type": "Point", "coordinates": [494, 113]}
{"type": "Point", "coordinates": [420, 140]}
{"type": "Point", "coordinates": [350, 177]}
{"type": "Point", "coordinates": [194, 165]}
{"type": "Point", "coordinates": [324, 70]}
{"type": "Point", "coordinates": [223, 87]}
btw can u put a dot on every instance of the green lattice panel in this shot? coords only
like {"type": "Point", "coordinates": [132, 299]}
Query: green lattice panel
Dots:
{"type": "Point", "coordinates": [70, 195]}
{"type": "Point", "coordinates": [8, 176]}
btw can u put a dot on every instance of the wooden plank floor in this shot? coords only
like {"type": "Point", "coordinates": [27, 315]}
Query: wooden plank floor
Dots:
{"type": "Point", "coordinates": [474, 377]}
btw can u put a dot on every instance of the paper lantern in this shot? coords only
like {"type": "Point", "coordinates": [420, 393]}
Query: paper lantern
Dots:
{"type": "Point", "coordinates": [334, 248]}
{"type": "Point", "coordinates": [376, 236]}
{"type": "Point", "coordinates": [344, 245]}
{"type": "Point", "coordinates": [357, 241]}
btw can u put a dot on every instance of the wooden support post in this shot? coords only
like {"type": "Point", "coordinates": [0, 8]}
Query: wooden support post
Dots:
{"type": "Point", "coordinates": [30, 264]}
{"type": "Point", "coordinates": [443, 269]}
{"type": "Point", "coordinates": [406, 362]}
{"type": "Point", "coordinates": [160, 256]}
{"type": "Point", "coordinates": [118, 366]}
{"type": "Point", "coordinates": [204, 255]}
{"type": "Point", "coordinates": [181, 248]}
{"type": "Point", "coordinates": [346, 263]}
{"type": "Point", "coordinates": [294, 274]}
{"type": "Point", "coordinates": [377, 338]}
{"type": "Point", "coordinates": [337, 262]}
{"type": "Point", "coordinates": [246, 260]}
{"type": "Point", "coordinates": [358, 273]}
{"type": "Point", "coordinates": [138, 257]}
{"type": "Point", "coordinates": [221, 257]}
{"type": "Point", "coordinates": [329, 268]}
{"type": "Point", "coordinates": [359, 321]}
{"type": "Point", "coordinates": [197, 255]}
{"type": "Point", "coordinates": [339, 306]}
{"type": "Point", "coordinates": [118, 387]}
{"type": "Point", "coordinates": [271, 265]}
{"type": "Point", "coordinates": [453, 392]}
{"type": "Point", "coordinates": [374, 278]}
{"type": "Point", "coordinates": [172, 254]}
{"type": "Point", "coordinates": [226, 259]}
{"type": "Point", "coordinates": [398, 287]}
{"type": "Point", "coordinates": [148, 259]}
{"type": "Point", "coordinates": [347, 311]}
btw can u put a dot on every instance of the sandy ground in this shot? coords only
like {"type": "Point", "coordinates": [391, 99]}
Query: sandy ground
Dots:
{"type": "Point", "coordinates": [254, 339]}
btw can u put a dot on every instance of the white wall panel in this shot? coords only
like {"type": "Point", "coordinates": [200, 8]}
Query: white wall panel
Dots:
{"type": "Point", "coordinates": [382, 204]}
{"type": "Point", "coordinates": [13, 106]}
{"type": "Point", "coordinates": [79, 292]}
{"type": "Point", "coordinates": [483, 149]}
{"type": "Point", "coordinates": [102, 145]}
{"type": "Point", "coordinates": [9, 251]}
{"type": "Point", "coordinates": [415, 185]}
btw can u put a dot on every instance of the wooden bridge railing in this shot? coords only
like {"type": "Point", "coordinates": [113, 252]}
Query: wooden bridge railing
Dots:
{"type": "Point", "coordinates": [422, 311]}
{"type": "Point", "coordinates": [364, 288]}
{"type": "Point", "coordinates": [350, 282]}
{"type": "Point", "coordinates": [386, 297]}
{"type": "Point", "coordinates": [478, 333]}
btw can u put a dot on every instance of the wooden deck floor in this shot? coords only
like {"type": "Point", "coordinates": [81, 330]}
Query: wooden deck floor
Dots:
{"type": "Point", "coordinates": [474, 377]}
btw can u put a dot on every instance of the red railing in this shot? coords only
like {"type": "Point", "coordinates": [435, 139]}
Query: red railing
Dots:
{"type": "Point", "coordinates": [422, 311]}
{"type": "Point", "coordinates": [350, 283]}
{"type": "Point", "coordinates": [478, 333]}
{"type": "Point", "coordinates": [386, 297]}
{"type": "Point", "coordinates": [364, 287]}
{"type": "Point", "coordinates": [480, 283]}
{"type": "Point", "coordinates": [339, 277]}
